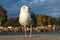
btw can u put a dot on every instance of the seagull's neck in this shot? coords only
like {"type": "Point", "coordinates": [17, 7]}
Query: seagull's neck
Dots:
{"type": "Point", "coordinates": [24, 12]}
{"type": "Point", "coordinates": [24, 15]}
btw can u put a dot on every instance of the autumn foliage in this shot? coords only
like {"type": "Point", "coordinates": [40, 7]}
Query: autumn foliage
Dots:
{"type": "Point", "coordinates": [42, 19]}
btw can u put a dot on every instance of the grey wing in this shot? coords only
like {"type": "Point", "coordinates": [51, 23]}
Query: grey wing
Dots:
{"type": "Point", "coordinates": [33, 16]}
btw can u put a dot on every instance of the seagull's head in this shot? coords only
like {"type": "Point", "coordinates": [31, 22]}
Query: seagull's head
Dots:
{"type": "Point", "coordinates": [25, 8]}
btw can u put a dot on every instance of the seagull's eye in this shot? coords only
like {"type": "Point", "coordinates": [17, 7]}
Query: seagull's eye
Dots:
{"type": "Point", "coordinates": [24, 7]}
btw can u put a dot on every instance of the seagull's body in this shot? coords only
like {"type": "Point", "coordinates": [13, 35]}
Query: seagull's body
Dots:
{"type": "Point", "coordinates": [25, 18]}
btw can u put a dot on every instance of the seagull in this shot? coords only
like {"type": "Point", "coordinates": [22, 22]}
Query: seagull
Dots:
{"type": "Point", "coordinates": [27, 18]}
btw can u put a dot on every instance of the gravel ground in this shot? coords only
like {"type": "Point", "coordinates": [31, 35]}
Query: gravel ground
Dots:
{"type": "Point", "coordinates": [34, 37]}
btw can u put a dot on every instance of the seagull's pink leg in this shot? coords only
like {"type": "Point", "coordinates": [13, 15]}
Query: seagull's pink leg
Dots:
{"type": "Point", "coordinates": [25, 31]}
{"type": "Point", "coordinates": [30, 31]}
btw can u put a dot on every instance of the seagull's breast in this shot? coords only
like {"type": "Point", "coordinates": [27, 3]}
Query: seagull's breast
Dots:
{"type": "Point", "coordinates": [24, 18]}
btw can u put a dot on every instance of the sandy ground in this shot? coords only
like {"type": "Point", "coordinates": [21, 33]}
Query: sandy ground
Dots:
{"type": "Point", "coordinates": [34, 37]}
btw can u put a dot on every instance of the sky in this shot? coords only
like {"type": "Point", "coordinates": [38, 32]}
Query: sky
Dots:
{"type": "Point", "coordinates": [47, 7]}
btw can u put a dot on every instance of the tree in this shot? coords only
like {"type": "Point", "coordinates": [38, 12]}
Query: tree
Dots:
{"type": "Point", "coordinates": [3, 16]}
{"type": "Point", "coordinates": [12, 22]}
{"type": "Point", "coordinates": [50, 22]}
{"type": "Point", "coordinates": [58, 21]}
{"type": "Point", "coordinates": [44, 20]}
